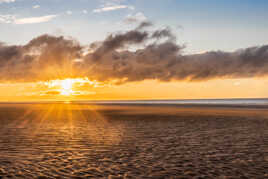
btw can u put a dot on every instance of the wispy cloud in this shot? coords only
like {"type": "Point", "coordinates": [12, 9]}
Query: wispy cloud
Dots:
{"type": "Point", "coordinates": [12, 19]}
{"type": "Point", "coordinates": [36, 6]}
{"type": "Point", "coordinates": [84, 11]}
{"type": "Point", "coordinates": [134, 18]}
{"type": "Point", "coordinates": [8, 19]}
{"type": "Point", "coordinates": [7, 1]}
{"type": "Point", "coordinates": [33, 20]}
{"type": "Point", "coordinates": [69, 12]}
{"type": "Point", "coordinates": [113, 8]}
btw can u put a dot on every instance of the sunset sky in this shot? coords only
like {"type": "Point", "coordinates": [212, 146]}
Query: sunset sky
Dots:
{"type": "Point", "coordinates": [133, 49]}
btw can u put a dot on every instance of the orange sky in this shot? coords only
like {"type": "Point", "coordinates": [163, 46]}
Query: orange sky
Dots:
{"type": "Point", "coordinates": [83, 89]}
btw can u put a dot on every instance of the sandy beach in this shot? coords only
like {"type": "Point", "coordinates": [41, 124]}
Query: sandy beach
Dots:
{"type": "Point", "coordinates": [132, 141]}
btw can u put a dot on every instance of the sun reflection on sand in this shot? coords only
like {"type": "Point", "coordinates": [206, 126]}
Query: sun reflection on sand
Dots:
{"type": "Point", "coordinates": [69, 120]}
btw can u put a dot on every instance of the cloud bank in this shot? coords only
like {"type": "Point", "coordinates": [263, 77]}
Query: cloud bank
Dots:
{"type": "Point", "coordinates": [157, 56]}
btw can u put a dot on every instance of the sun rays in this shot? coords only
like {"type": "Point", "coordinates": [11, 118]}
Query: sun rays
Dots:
{"type": "Point", "coordinates": [66, 87]}
{"type": "Point", "coordinates": [70, 120]}
{"type": "Point", "coordinates": [70, 87]}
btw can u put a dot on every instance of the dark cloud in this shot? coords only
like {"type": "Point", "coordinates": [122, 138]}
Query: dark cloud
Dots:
{"type": "Point", "coordinates": [158, 56]}
{"type": "Point", "coordinates": [144, 25]}
{"type": "Point", "coordinates": [117, 41]}
{"type": "Point", "coordinates": [45, 57]}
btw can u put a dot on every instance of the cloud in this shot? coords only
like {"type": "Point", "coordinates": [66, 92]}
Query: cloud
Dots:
{"type": "Point", "coordinates": [34, 20]}
{"type": "Point", "coordinates": [8, 19]}
{"type": "Point", "coordinates": [134, 18]}
{"type": "Point", "coordinates": [158, 57]}
{"type": "Point", "coordinates": [7, 1]}
{"type": "Point", "coordinates": [36, 6]}
{"type": "Point", "coordinates": [84, 12]}
{"type": "Point", "coordinates": [112, 8]}
{"type": "Point", "coordinates": [69, 12]}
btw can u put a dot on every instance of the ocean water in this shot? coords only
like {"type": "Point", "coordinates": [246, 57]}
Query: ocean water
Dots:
{"type": "Point", "coordinates": [232, 102]}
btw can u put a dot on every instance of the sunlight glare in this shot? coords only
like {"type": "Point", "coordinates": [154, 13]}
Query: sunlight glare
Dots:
{"type": "Point", "coordinates": [70, 86]}
{"type": "Point", "coordinates": [66, 87]}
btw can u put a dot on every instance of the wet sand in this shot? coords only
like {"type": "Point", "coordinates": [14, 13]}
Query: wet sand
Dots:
{"type": "Point", "coordinates": [132, 141]}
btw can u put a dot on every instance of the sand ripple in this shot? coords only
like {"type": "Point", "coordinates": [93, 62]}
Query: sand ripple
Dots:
{"type": "Point", "coordinates": [124, 143]}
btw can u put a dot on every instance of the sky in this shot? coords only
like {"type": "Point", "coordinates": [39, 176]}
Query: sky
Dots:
{"type": "Point", "coordinates": [201, 24]}
{"type": "Point", "coordinates": [97, 30]}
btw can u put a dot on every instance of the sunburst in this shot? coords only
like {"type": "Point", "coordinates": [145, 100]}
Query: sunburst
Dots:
{"type": "Point", "coordinates": [66, 87]}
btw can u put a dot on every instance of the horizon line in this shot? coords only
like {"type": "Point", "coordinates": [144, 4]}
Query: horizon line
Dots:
{"type": "Point", "coordinates": [125, 100]}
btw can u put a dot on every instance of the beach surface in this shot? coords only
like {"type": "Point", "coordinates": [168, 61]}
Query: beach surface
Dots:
{"type": "Point", "coordinates": [72, 140]}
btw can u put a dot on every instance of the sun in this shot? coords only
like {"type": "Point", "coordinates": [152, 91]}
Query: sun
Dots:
{"type": "Point", "coordinates": [66, 87]}
{"type": "Point", "coordinates": [71, 87]}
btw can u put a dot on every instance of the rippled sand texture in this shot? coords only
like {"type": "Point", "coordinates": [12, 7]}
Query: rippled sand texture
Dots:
{"type": "Point", "coordinates": [83, 141]}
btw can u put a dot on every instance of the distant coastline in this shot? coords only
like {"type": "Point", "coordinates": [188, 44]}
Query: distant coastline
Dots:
{"type": "Point", "coordinates": [230, 102]}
